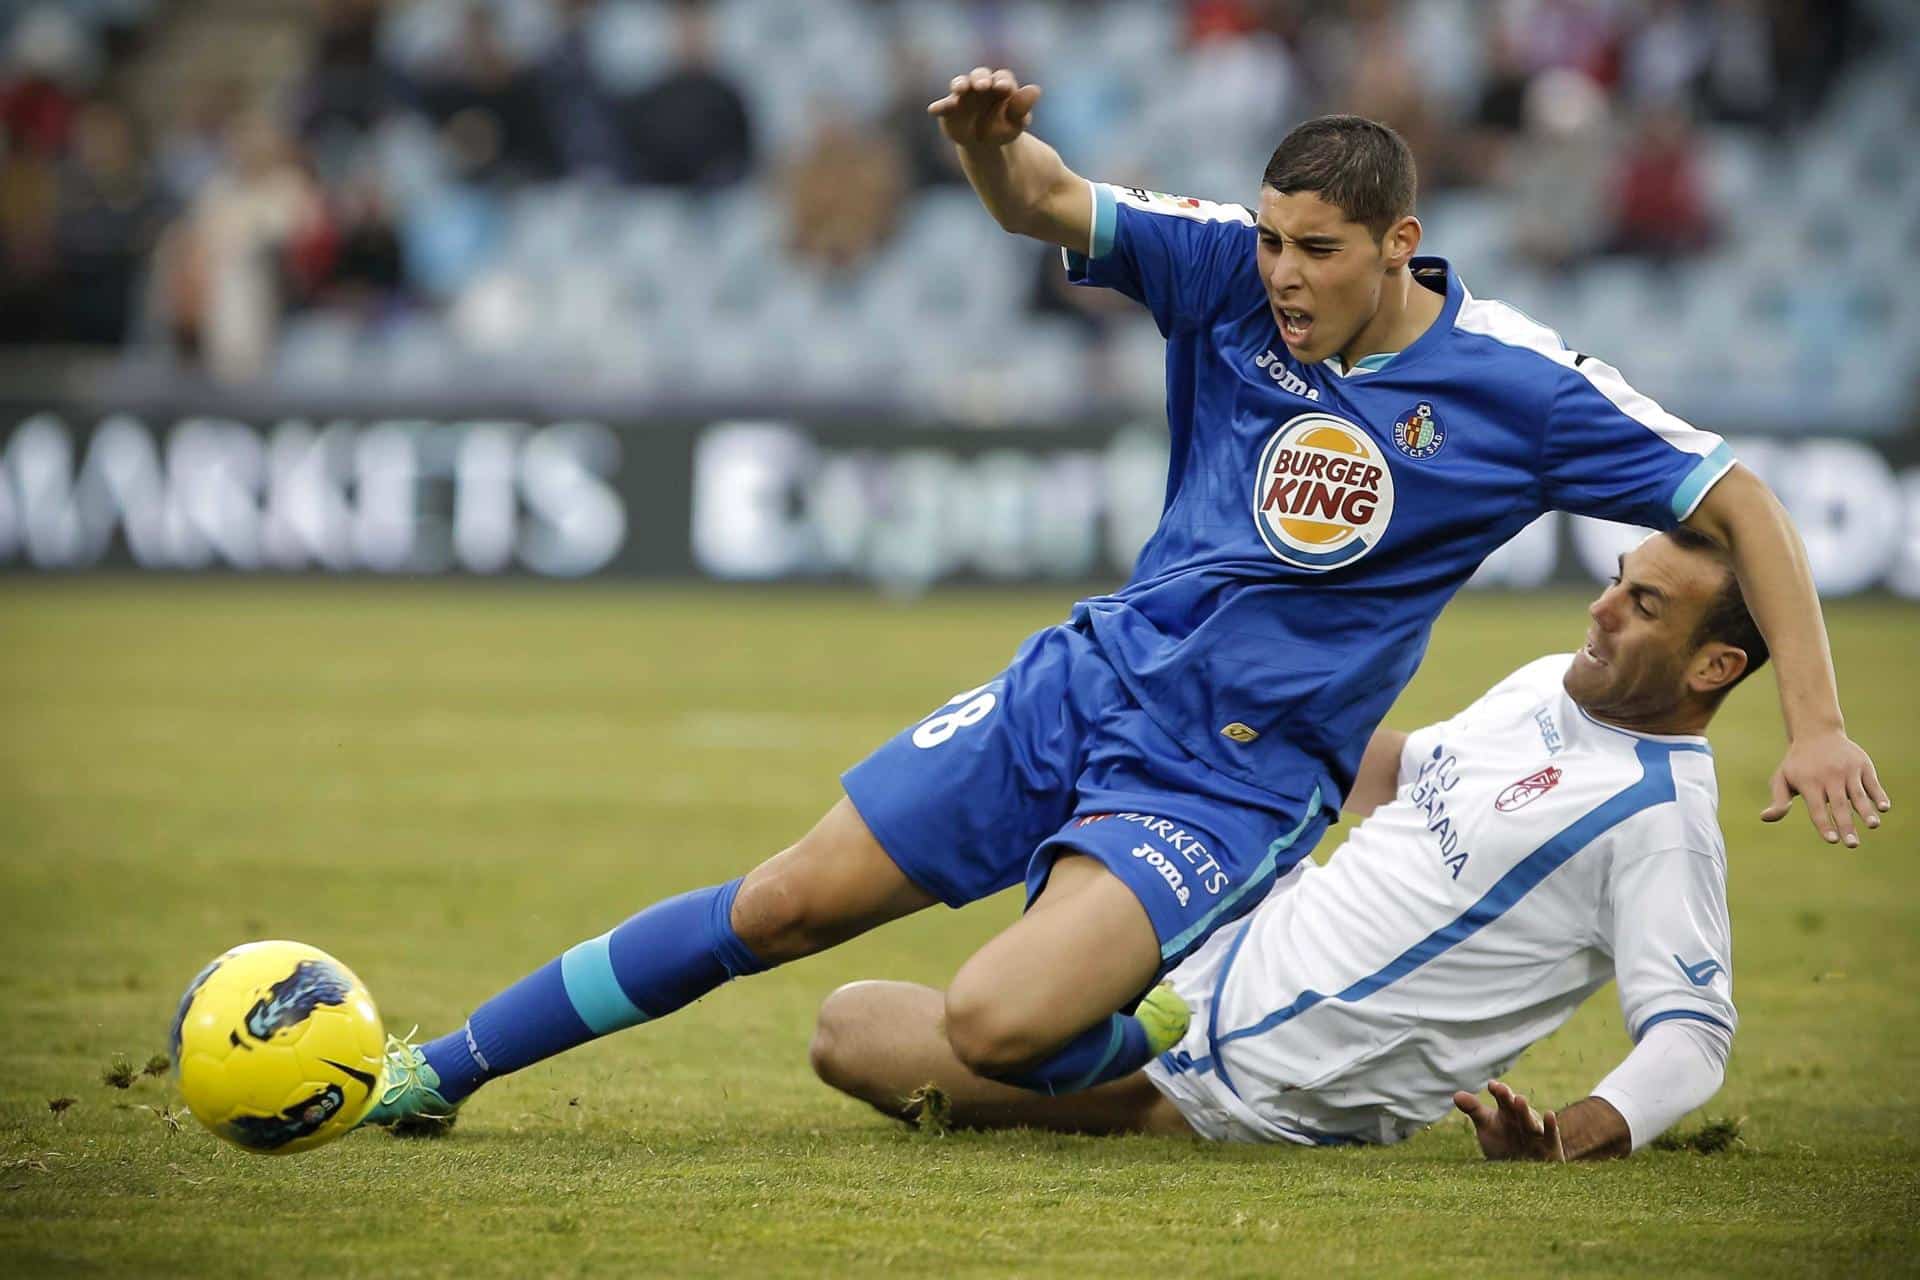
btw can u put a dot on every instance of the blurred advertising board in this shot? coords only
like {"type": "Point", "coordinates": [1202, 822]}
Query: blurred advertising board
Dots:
{"type": "Point", "coordinates": [764, 499]}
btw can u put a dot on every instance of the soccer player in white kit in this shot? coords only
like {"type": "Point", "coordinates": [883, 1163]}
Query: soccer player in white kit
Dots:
{"type": "Point", "coordinates": [1557, 834]}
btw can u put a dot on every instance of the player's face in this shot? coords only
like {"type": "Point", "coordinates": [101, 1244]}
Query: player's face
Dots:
{"type": "Point", "coordinates": [1324, 274]}
{"type": "Point", "coordinates": [1634, 667]}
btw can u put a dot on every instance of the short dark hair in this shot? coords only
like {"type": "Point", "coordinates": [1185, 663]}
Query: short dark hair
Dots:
{"type": "Point", "coordinates": [1356, 164]}
{"type": "Point", "coordinates": [1726, 619]}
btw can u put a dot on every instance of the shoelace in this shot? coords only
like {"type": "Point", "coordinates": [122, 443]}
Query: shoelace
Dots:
{"type": "Point", "coordinates": [408, 1057]}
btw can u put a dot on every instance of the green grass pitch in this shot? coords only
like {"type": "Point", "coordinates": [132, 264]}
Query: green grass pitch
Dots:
{"type": "Point", "coordinates": [447, 786]}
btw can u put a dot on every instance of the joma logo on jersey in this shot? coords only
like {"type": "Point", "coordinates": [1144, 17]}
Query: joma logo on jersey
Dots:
{"type": "Point", "coordinates": [1188, 846]}
{"type": "Point", "coordinates": [1285, 378]}
{"type": "Point", "coordinates": [1168, 872]}
{"type": "Point", "coordinates": [1323, 493]}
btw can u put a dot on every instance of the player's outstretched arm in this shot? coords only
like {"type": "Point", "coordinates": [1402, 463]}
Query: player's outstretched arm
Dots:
{"type": "Point", "coordinates": [1511, 1129]}
{"type": "Point", "coordinates": [1021, 180]}
{"type": "Point", "coordinates": [1678, 1065]}
{"type": "Point", "coordinates": [1823, 766]}
{"type": "Point", "coordinates": [1378, 778]}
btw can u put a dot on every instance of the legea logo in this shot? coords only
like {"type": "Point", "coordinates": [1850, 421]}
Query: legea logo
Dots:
{"type": "Point", "coordinates": [1323, 494]}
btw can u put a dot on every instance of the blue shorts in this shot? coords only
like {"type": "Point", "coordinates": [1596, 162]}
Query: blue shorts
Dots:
{"type": "Point", "coordinates": [1054, 756]}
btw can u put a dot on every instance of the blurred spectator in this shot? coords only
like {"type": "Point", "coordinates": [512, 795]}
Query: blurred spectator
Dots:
{"type": "Point", "coordinates": [1384, 83]}
{"type": "Point", "coordinates": [690, 128]}
{"type": "Point", "coordinates": [451, 231]}
{"type": "Point", "coordinates": [1561, 170]}
{"type": "Point", "coordinates": [1217, 19]}
{"type": "Point", "coordinates": [349, 257]}
{"type": "Point", "coordinates": [29, 204]}
{"type": "Point", "coordinates": [1502, 107]}
{"type": "Point", "coordinates": [192, 149]}
{"type": "Point", "coordinates": [1660, 208]}
{"type": "Point", "coordinates": [479, 76]}
{"type": "Point", "coordinates": [344, 92]}
{"type": "Point", "coordinates": [1666, 55]}
{"type": "Point", "coordinates": [1740, 86]}
{"type": "Point", "coordinates": [47, 64]}
{"type": "Point", "coordinates": [1566, 35]}
{"type": "Point", "coordinates": [843, 195]}
{"type": "Point", "coordinates": [220, 284]}
{"type": "Point", "coordinates": [111, 216]}
{"type": "Point", "coordinates": [1237, 93]}
{"type": "Point", "coordinates": [1499, 114]}
{"type": "Point", "coordinates": [1812, 42]}
{"type": "Point", "coordinates": [582, 119]}
{"type": "Point", "coordinates": [931, 159]}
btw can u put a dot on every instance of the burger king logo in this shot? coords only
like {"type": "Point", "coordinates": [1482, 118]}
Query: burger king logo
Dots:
{"type": "Point", "coordinates": [1323, 494]}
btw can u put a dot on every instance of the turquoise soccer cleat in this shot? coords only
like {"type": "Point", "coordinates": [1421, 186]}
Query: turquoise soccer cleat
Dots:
{"type": "Point", "coordinates": [410, 1104]}
{"type": "Point", "coordinates": [1165, 1017]}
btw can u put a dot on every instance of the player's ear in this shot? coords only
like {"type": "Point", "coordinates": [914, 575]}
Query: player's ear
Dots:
{"type": "Point", "coordinates": [1401, 242]}
{"type": "Point", "coordinates": [1715, 666]}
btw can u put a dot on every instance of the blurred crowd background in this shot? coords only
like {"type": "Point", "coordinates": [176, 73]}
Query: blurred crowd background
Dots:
{"type": "Point", "coordinates": [643, 202]}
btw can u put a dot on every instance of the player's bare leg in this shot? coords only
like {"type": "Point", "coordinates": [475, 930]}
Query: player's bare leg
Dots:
{"type": "Point", "coordinates": [882, 1042]}
{"type": "Point", "coordinates": [1037, 1006]}
{"type": "Point", "coordinates": [834, 883]}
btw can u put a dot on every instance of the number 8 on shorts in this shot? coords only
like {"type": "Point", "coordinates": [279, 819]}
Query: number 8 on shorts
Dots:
{"type": "Point", "coordinates": [961, 711]}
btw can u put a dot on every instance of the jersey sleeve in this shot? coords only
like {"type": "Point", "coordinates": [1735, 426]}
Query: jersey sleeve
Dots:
{"type": "Point", "coordinates": [1613, 453]}
{"type": "Point", "coordinates": [1676, 1067]}
{"type": "Point", "coordinates": [1672, 945]}
{"type": "Point", "coordinates": [1174, 254]}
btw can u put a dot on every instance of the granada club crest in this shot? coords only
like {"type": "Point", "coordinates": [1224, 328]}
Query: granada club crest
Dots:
{"type": "Point", "coordinates": [1322, 493]}
{"type": "Point", "coordinates": [1417, 433]}
{"type": "Point", "coordinates": [1528, 789]}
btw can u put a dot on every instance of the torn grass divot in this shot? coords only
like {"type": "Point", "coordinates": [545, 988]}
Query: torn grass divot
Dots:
{"type": "Point", "coordinates": [930, 1110]}
{"type": "Point", "coordinates": [1709, 1138]}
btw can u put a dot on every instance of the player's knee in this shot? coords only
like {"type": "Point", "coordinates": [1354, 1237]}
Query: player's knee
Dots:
{"type": "Point", "coordinates": [773, 916]}
{"type": "Point", "coordinates": [847, 1049]}
{"type": "Point", "coordinates": [985, 1035]}
{"type": "Point", "coordinates": [834, 1032]}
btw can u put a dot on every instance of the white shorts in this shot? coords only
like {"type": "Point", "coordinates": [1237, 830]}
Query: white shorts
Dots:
{"type": "Point", "coordinates": [1209, 1105]}
{"type": "Point", "coordinates": [1185, 1076]}
{"type": "Point", "coordinates": [1213, 1111]}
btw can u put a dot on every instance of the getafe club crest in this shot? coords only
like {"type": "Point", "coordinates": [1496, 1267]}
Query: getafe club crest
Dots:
{"type": "Point", "coordinates": [1417, 433]}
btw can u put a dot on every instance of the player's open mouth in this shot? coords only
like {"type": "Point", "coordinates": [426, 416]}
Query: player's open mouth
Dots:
{"type": "Point", "coordinates": [1587, 651]}
{"type": "Point", "coordinates": [1295, 326]}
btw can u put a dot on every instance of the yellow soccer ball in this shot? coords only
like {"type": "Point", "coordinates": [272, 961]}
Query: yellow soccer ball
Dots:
{"type": "Point", "coordinates": [278, 1047]}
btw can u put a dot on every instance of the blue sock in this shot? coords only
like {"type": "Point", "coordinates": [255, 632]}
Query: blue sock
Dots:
{"type": "Point", "coordinates": [668, 956]}
{"type": "Point", "coordinates": [1104, 1051]}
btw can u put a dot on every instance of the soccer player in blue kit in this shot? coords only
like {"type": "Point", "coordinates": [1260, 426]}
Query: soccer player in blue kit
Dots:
{"type": "Point", "coordinates": [1352, 433]}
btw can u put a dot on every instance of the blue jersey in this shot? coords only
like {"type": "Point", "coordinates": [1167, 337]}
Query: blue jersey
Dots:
{"type": "Point", "coordinates": [1317, 519]}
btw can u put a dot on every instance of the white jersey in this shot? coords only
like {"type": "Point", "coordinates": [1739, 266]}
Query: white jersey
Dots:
{"type": "Point", "coordinates": [1531, 855]}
